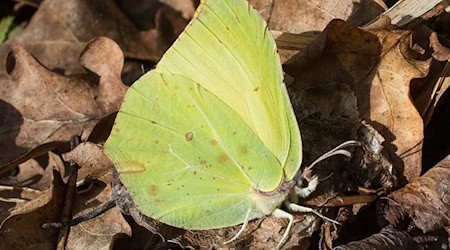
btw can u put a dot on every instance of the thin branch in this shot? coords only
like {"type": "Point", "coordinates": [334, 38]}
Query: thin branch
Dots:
{"type": "Point", "coordinates": [70, 195]}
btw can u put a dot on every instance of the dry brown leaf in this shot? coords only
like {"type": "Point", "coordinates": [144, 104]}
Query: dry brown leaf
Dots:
{"type": "Point", "coordinates": [14, 197]}
{"type": "Point", "coordinates": [441, 53]}
{"type": "Point", "coordinates": [264, 7]}
{"type": "Point", "coordinates": [60, 29]}
{"type": "Point", "coordinates": [371, 168]}
{"type": "Point", "coordinates": [22, 230]}
{"type": "Point", "coordinates": [426, 200]}
{"type": "Point", "coordinates": [426, 92]}
{"type": "Point", "coordinates": [388, 238]}
{"type": "Point", "coordinates": [42, 108]}
{"type": "Point", "coordinates": [434, 86]}
{"type": "Point", "coordinates": [378, 67]}
{"type": "Point", "coordinates": [141, 13]}
{"type": "Point", "coordinates": [101, 231]}
{"type": "Point", "coordinates": [441, 24]}
{"type": "Point", "coordinates": [327, 114]}
{"type": "Point", "coordinates": [185, 7]}
{"type": "Point", "coordinates": [298, 16]}
{"type": "Point", "coordinates": [260, 234]}
{"type": "Point", "coordinates": [23, 3]}
{"type": "Point", "coordinates": [424, 89]}
{"type": "Point", "coordinates": [25, 222]}
{"type": "Point", "coordinates": [306, 16]}
{"type": "Point", "coordinates": [35, 173]}
{"type": "Point", "coordinates": [91, 158]}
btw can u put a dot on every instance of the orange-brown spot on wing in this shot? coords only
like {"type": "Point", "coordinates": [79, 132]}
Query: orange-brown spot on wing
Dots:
{"type": "Point", "coordinates": [214, 142]}
{"type": "Point", "coordinates": [153, 190]}
{"type": "Point", "coordinates": [243, 150]}
{"type": "Point", "coordinates": [189, 136]}
{"type": "Point", "coordinates": [131, 167]}
{"type": "Point", "coordinates": [222, 159]}
{"type": "Point", "coordinates": [156, 142]}
{"type": "Point", "coordinates": [256, 89]}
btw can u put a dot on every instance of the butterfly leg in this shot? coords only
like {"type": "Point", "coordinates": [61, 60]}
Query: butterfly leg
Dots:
{"type": "Point", "coordinates": [301, 209]}
{"type": "Point", "coordinates": [285, 215]}
{"type": "Point", "coordinates": [244, 225]}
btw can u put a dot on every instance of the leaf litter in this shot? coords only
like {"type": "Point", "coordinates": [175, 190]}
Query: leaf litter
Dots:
{"type": "Point", "coordinates": [43, 109]}
{"type": "Point", "coordinates": [383, 86]}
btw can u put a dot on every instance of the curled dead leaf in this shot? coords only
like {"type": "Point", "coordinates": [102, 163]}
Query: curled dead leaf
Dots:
{"type": "Point", "coordinates": [102, 231]}
{"type": "Point", "coordinates": [441, 53]}
{"type": "Point", "coordinates": [378, 66]}
{"type": "Point", "coordinates": [22, 229]}
{"type": "Point", "coordinates": [370, 167]}
{"type": "Point", "coordinates": [327, 115]}
{"type": "Point", "coordinates": [14, 197]}
{"type": "Point", "coordinates": [388, 238]}
{"type": "Point", "coordinates": [44, 109]}
{"type": "Point", "coordinates": [307, 17]}
{"type": "Point", "coordinates": [91, 159]}
{"type": "Point", "coordinates": [185, 7]}
{"type": "Point", "coordinates": [426, 201]}
{"type": "Point", "coordinates": [298, 16]}
{"type": "Point", "coordinates": [55, 37]}
{"type": "Point", "coordinates": [35, 173]}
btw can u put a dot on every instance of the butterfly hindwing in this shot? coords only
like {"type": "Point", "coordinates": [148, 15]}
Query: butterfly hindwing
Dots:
{"type": "Point", "coordinates": [188, 159]}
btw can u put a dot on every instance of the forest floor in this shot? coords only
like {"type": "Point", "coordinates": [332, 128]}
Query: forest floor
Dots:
{"type": "Point", "coordinates": [352, 73]}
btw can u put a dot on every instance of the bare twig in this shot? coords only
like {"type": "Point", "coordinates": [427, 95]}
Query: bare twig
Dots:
{"type": "Point", "coordinates": [345, 201]}
{"type": "Point", "coordinates": [70, 195]}
{"type": "Point", "coordinates": [77, 220]}
{"type": "Point", "coordinates": [104, 208]}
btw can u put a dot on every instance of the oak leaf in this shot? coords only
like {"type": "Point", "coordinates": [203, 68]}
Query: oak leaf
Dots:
{"type": "Point", "coordinates": [42, 109]}
{"type": "Point", "coordinates": [378, 66]}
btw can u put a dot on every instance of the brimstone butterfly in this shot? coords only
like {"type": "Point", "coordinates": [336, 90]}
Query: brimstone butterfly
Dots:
{"type": "Point", "coordinates": [208, 139]}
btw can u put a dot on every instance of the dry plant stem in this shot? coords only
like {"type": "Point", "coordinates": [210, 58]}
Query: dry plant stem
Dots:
{"type": "Point", "coordinates": [70, 195]}
{"type": "Point", "coordinates": [77, 220]}
{"type": "Point", "coordinates": [104, 208]}
{"type": "Point", "coordinates": [22, 189]}
{"type": "Point", "coordinates": [290, 41]}
{"type": "Point", "coordinates": [428, 111]}
{"type": "Point", "coordinates": [346, 200]}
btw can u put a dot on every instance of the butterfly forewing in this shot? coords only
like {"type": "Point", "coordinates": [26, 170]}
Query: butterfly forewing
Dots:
{"type": "Point", "coordinates": [229, 51]}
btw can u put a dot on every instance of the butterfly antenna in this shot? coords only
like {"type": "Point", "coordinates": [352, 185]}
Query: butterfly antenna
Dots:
{"type": "Point", "coordinates": [284, 215]}
{"type": "Point", "coordinates": [314, 180]}
{"type": "Point", "coordinates": [247, 216]}
{"type": "Point", "coordinates": [336, 151]}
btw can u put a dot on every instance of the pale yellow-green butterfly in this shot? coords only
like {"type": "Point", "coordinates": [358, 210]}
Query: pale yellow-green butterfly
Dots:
{"type": "Point", "coordinates": [209, 139]}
